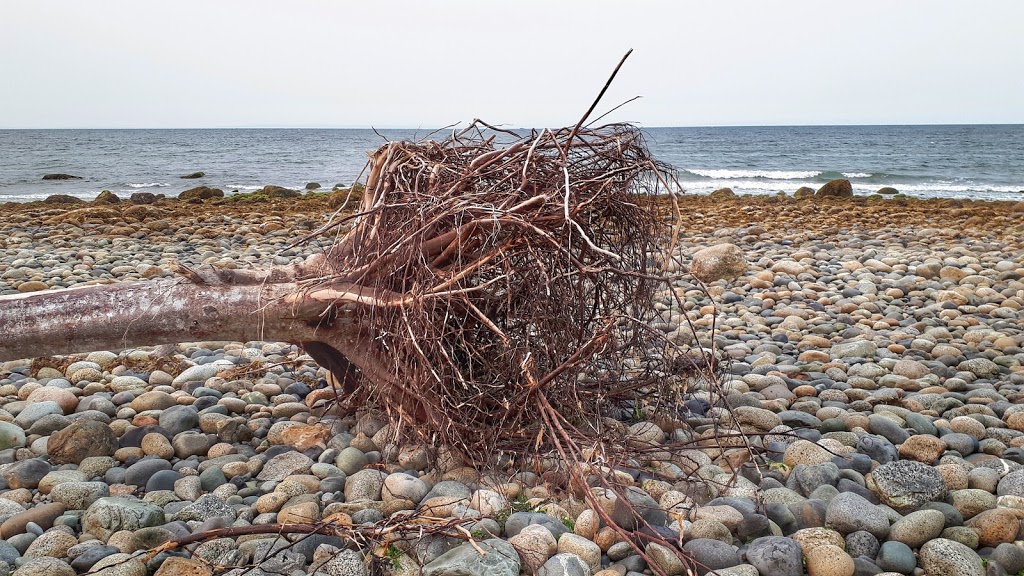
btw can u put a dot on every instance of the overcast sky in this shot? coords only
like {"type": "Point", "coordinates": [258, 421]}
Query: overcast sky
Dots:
{"type": "Point", "coordinates": [398, 63]}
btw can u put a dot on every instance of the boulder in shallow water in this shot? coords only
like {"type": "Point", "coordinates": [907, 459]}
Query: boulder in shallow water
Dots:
{"type": "Point", "coordinates": [722, 193]}
{"type": "Point", "coordinates": [804, 192]}
{"type": "Point", "coordinates": [61, 177]}
{"type": "Point", "coordinates": [193, 176]}
{"type": "Point", "coordinates": [836, 189]}
{"type": "Point", "coordinates": [718, 262]}
{"type": "Point", "coordinates": [888, 191]}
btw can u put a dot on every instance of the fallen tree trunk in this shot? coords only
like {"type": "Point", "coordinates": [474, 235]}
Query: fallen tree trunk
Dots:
{"type": "Point", "coordinates": [117, 316]}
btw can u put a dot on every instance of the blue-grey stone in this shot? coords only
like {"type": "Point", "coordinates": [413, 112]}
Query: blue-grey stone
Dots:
{"type": "Point", "coordinates": [178, 419]}
{"type": "Point", "coordinates": [162, 480]}
{"type": "Point", "coordinates": [26, 474]}
{"type": "Point", "coordinates": [1010, 557]}
{"type": "Point", "coordinates": [564, 564]}
{"type": "Point", "coordinates": [8, 552]}
{"type": "Point", "coordinates": [862, 543]}
{"type": "Point", "coordinates": [713, 554]}
{"type": "Point", "coordinates": [776, 555]}
{"type": "Point", "coordinates": [965, 444]}
{"type": "Point", "coordinates": [93, 554]}
{"type": "Point", "coordinates": [805, 478]}
{"type": "Point", "coordinates": [211, 478]}
{"type": "Point", "coordinates": [849, 512]}
{"type": "Point", "coordinates": [878, 448]}
{"type": "Point", "coordinates": [11, 436]}
{"type": "Point", "coordinates": [896, 556]}
{"type": "Point", "coordinates": [519, 520]}
{"type": "Point", "coordinates": [921, 424]}
{"type": "Point", "coordinates": [501, 560]}
{"type": "Point", "coordinates": [887, 428]}
{"type": "Point", "coordinates": [138, 474]}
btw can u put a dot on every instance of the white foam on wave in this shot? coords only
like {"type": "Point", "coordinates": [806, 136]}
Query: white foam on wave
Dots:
{"type": "Point", "coordinates": [243, 187]}
{"type": "Point", "coordinates": [728, 174]}
{"type": "Point", "coordinates": [977, 191]}
{"type": "Point", "coordinates": [149, 185]}
{"type": "Point", "coordinates": [944, 187]}
{"type": "Point", "coordinates": [857, 174]}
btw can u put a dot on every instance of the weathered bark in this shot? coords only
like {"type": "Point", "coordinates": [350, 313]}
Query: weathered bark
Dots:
{"type": "Point", "coordinates": [118, 316]}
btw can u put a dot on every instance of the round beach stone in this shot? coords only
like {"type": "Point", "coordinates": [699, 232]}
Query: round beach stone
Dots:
{"type": "Point", "coordinates": [364, 485]}
{"type": "Point", "coordinates": [918, 527]}
{"type": "Point", "coordinates": [923, 448]}
{"type": "Point", "coordinates": [776, 555]}
{"type": "Point", "coordinates": [805, 452]}
{"type": "Point", "coordinates": [713, 554]}
{"type": "Point", "coordinates": [79, 495]}
{"type": "Point", "coordinates": [943, 557]}
{"type": "Point", "coordinates": [284, 465]}
{"type": "Point", "coordinates": [45, 566]}
{"type": "Point", "coordinates": [589, 552]}
{"type": "Point", "coordinates": [26, 473]}
{"type": "Point", "coordinates": [665, 559]}
{"type": "Point", "coordinates": [11, 436]}
{"type": "Point", "coordinates": [829, 560]}
{"type": "Point", "coordinates": [995, 527]}
{"type": "Point", "coordinates": [861, 543]}
{"type": "Point", "coordinates": [722, 261]}
{"type": "Point", "coordinates": [907, 485]}
{"type": "Point", "coordinates": [500, 559]}
{"type": "Point", "coordinates": [849, 512]}
{"type": "Point", "coordinates": [120, 564]}
{"type": "Point", "coordinates": [896, 557]}
{"type": "Point", "coordinates": [80, 440]}
{"type": "Point", "coordinates": [62, 396]}
{"type": "Point", "coordinates": [564, 564]}
{"type": "Point", "coordinates": [155, 444]}
{"type": "Point", "coordinates": [59, 477]}
{"type": "Point", "coordinates": [109, 515]}
{"type": "Point", "coordinates": [177, 419]}
{"type": "Point", "coordinates": [54, 543]}
{"type": "Point", "coordinates": [35, 411]}
{"type": "Point", "coordinates": [535, 545]}
{"type": "Point", "coordinates": [811, 538]}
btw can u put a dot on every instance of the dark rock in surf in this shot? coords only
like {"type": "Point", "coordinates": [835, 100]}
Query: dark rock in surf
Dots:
{"type": "Point", "coordinates": [836, 189]}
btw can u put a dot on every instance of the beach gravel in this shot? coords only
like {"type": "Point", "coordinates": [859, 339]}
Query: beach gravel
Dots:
{"type": "Point", "coordinates": [872, 350]}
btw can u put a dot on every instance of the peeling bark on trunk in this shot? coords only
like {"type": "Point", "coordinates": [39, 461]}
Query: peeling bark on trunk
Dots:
{"type": "Point", "coordinates": [121, 316]}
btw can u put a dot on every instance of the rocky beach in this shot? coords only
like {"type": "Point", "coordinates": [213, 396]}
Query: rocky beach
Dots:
{"type": "Point", "coordinates": [874, 347]}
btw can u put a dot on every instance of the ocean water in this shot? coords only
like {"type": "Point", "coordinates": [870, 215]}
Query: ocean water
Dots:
{"type": "Point", "coordinates": [958, 161]}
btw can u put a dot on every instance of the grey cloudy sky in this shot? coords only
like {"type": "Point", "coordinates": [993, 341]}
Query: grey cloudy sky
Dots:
{"type": "Point", "coordinates": [404, 63]}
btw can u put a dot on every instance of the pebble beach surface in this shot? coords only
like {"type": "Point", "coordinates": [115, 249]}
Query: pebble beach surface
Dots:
{"type": "Point", "coordinates": [880, 342]}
